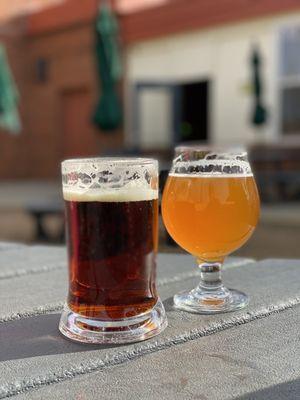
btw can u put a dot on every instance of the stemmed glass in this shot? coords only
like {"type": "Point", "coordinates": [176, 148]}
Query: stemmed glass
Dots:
{"type": "Point", "coordinates": [210, 208]}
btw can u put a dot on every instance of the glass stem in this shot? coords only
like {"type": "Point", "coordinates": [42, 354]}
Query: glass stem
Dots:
{"type": "Point", "coordinates": [211, 276]}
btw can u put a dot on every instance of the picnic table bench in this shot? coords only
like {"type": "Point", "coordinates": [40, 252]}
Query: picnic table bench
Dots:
{"type": "Point", "coordinates": [36, 198]}
{"type": "Point", "coordinates": [277, 171]}
{"type": "Point", "coordinates": [39, 209]}
{"type": "Point", "coordinates": [250, 354]}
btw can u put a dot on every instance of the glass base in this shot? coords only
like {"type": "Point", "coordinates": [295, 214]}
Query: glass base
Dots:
{"type": "Point", "coordinates": [203, 301]}
{"type": "Point", "coordinates": [93, 330]}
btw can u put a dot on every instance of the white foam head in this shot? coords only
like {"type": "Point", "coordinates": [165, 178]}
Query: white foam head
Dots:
{"type": "Point", "coordinates": [210, 175]}
{"type": "Point", "coordinates": [199, 162]}
{"type": "Point", "coordinates": [117, 195]}
{"type": "Point", "coordinates": [110, 179]}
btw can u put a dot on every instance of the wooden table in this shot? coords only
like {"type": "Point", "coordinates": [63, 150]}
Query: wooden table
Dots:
{"type": "Point", "coordinates": [250, 354]}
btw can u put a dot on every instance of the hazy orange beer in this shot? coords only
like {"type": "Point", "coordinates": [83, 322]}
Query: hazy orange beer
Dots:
{"type": "Point", "coordinates": [210, 216]}
{"type": "Point", "coordinates": [210, 207]}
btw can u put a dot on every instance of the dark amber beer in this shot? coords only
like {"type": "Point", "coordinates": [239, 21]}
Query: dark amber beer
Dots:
{"type": "Point", "coordinates": [112, 232]}
{"type": "Point", "coordinates": [112, 246]}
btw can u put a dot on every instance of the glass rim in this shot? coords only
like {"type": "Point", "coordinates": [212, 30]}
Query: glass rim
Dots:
{"type": "Point", "coordinates": [212, 148]}
{"type": "Point", "coordinates": [129, 161]}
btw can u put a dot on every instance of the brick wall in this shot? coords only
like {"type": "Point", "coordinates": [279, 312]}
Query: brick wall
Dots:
{"type": "Point", "coordinates": [14, 149]}
{"type": "Point", "coordinates": [69, 83]}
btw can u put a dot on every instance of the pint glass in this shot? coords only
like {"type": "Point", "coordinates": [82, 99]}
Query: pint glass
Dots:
{"type": "Point", "coordinates": [111, 207]}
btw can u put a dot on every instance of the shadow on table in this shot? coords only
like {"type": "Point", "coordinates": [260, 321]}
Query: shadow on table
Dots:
{"type": "Point", "coordinates": [169, 304]}
{"type": "Point", "coordinates": [37, 336]}
{"type": "Point", "coordinates": [284, 391]}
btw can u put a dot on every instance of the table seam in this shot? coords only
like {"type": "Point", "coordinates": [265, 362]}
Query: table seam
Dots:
{"type": "Point", "coordinates": [32, 271]}
{"type": "Point", "coordinates": [48, 268]}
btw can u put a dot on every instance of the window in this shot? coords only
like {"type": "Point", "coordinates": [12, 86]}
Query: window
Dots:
{"type": "Point", "coordinates": [290, 79]}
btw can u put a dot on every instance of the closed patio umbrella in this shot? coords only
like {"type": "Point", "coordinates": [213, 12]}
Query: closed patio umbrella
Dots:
{"type": "Point", "coordinates": [108, 112]}
{"type": "Point", "coordinates": [9, 97]}
{"type": "Point", "coordinates": [259, 115]}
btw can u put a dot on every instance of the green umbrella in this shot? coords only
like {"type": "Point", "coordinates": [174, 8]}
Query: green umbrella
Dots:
{"type": "Point", "coordinates": [9, 97]}
{"type": "Point", "coordinates": [108, 113]}
{"type": "Point", "coordinates": [259, 116]}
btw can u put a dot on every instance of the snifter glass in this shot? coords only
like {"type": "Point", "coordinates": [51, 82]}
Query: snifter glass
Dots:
{"type": "Point", "coordinates": [111, 207]}
{"type": "Point", "coordinates": [210, 208]}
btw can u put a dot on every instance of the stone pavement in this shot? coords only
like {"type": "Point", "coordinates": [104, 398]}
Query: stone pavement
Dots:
{"type": "Point", "coordinates": [250, 354]}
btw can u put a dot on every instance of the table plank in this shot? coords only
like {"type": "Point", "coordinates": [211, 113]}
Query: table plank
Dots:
{"type": "Point", "coordinates": [21, 260]}
{"type": "Point", "coordinates": [259, 360]}
{"type": "Point", "coordinates": [50, 358]}
{"type": "Point", "coordinates": [17, 260]}
{"type": "Point", "coordinates": [40, 275]}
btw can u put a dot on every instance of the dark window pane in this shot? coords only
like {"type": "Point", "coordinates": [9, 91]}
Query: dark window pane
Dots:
{"type": "Point", "coordinates": [291, 110]}
{"type": "Point", "coordinates": [290, 51]}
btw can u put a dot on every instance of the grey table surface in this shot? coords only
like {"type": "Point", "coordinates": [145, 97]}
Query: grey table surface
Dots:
{"type": "Point", "coordinates": [250, 354]}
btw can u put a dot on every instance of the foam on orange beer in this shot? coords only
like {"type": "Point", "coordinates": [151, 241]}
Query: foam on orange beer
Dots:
{"type": "Point", "coordinates": [210, 175]}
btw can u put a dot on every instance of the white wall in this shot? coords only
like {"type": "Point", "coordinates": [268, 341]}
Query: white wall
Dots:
{"type": "Point", "coordinates": [221, 55]}
{"type": "Point", "coordinates": [156, 116]}
{"type": "Point", "coordinates": [128, 6]}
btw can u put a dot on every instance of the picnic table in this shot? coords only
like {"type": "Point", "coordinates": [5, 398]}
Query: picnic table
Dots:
{"type": "Point", "coordinates": [250, 354]}
{"type": "Point", "coordinates": [38, 199]}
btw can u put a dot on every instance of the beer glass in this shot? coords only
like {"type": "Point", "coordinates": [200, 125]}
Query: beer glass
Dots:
{"type": "Point", "coordinates": [111, 207]}
{"type": "Point", "coordinates": [210, 207]}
